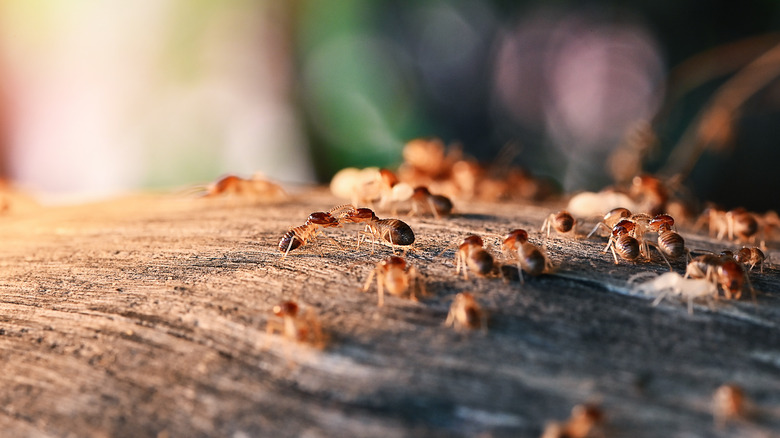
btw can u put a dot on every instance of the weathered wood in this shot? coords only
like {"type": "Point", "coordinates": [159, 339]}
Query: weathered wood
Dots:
{"type": "Point", "coordinates": [146, 317]}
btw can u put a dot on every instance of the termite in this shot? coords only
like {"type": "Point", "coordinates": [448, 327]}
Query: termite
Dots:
{"type": "Point", "coordinates": [466, 313]}
{"type": "Point", "coordinates": [296, 327]}
{"type": "Point", "coordinates": [472, 256]}
{"type": "Point", "coordinates": [563, 222]}
{"type": "Point", "coordinates": [395, 275]}
{"type": "Point", "coordinates": [393, 231]}
{"type": "Point", "coordinates": [299, 236]}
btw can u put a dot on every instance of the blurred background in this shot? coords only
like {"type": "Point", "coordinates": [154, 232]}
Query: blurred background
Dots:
{"type": "Point", "coordinates": [100, 98]}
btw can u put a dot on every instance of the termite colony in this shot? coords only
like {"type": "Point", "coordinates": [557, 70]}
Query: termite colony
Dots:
{"type": "Point", "coordinates": [706, 276]}
{"type": "Point", "coordinates": [640, 227]}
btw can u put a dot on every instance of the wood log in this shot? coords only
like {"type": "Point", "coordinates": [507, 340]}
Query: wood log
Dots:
{"type": "Point", "coordinates": [147, 316]}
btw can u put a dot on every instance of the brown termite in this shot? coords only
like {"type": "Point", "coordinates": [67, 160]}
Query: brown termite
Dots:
{"type": "Point", "coordinates": [391, 190]}
{"type": "Point", "coordinates": [299, 236]}
{"type": "Point", "coordinates": [630, 232]}
{"type": "Point", "coordinates": [529, 257]}
{"type": "Point", "coordinates": [585, 421]}
{"type": "Point", "coordinates": [393, 231]}
{"type": "Point", "coordinates": [424, 202]}
{"type": "Point", "coordinates": [751, 256]}
{"type": "Point", "coordinates": [742, 225]}
{"type": "Point", "coordinates": [622, 243]}
{"type": "Point", "coordinates": [611, 219]}
{"type": "Point", "coordinates": [649, 193]}
{"type": "Point", "coordinates": [563, 222]}
{"type": "Point", "coordinates": [737, 224]}
{"type": "Point", "coordinates": [304, 328]}
{"type": "Point", "coordinates": [671, 243]}
{"type": "Point", "coordinates": [466, 313]}
{"type": "Point", "coordinates": [472, 256]}
{"type": "Point", "coordinates": [728, 403]}
{"type": "Point", "coordinates": [255, 187]}
{"type": "Point", "coordinates": [723, 271]}
{"type": "Point", "coordinates": [396, 276]}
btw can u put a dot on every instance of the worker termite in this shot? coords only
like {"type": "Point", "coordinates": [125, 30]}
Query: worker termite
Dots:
{"type": "Point", "coordinates": [737, 224]}
{"type": "Point", "coordinates": [304, 328]}
{"type": "Point", "coordinates": [425, 202]}
{"type": "Point", "coordinates": [466, 313]}
{"type": "Point", "coordinates": [649, 193]}
{"type": "Point", "coordinates": [611, 219]}
{"type": "Point", "coordinates": [472, 256]}
{"type": "Point", "coordinates": [742, 225]}
{"type": "Point", "coordinates": [728, 403]}
{"type": "Point", "coordinates": [397, 276]}
{"type": "Point", "coordinates": [585, 421]}
{"type": "Point", "coordinates": [622, 243]}
{"type": "Point", "coordinates": [722, 271]}
{"type": "Point", "coordinates": [393, 231]}
{"type": "Point", "coordinates": [299, 236]}
{"type": "Point", "coordinates": [671, 243]}
{"type": "Point", "coordinates": [672, 283]}
{"type": "Point", "coordinates": [256, 187]}
{"type": "Point", "coordinates": [563, 222]}
{"type": "Point", "coordinates": [751, 256]}
{"type": "Point", "coordinates": [529, 257]}
{"type": "Point", "coordinates": [628, 239]}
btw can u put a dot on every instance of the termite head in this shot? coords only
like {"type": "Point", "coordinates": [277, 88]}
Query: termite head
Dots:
{"type": "Point", "coordinates": [394, 261]}
{"type": "Point", "coordinates": [287, 308]}
{"type": "Point", "coordinates": [624, 227]}
{"type": "Point", "coordinates": [615, 215]}
{"type": "Point", "coordinates": [471, 240]}
{"type": "Point", "coordinates": [421, 193]}
{"type": "Point", "coordinates": [323, 219]}
{"type": "Point", "coordinates": [360, 215]}
{"type": "Point", "coordinates": [661, 222]}
{"type": "Point", "coordinates": [514, 239]}
{"type": "Point", "coordinates": [388, 178]}
{"type": "Point", "coordinates": [289, 242]}
{"type": "Point", "coordinates": [223, 185]}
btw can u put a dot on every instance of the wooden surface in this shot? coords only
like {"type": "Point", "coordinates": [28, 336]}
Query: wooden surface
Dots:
{"type": "Point", "coordinates": [147, 317]}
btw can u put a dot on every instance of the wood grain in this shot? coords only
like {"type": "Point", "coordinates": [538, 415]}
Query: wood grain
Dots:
{"type": "Point", "coordinates": [146, 316]}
